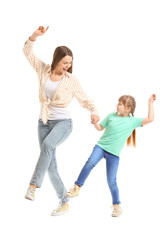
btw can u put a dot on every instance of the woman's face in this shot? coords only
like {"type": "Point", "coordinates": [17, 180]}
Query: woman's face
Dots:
{"type": "Point", "coordinates": [64, 64]}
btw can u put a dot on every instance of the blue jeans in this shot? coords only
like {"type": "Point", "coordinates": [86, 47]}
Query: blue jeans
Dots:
{"type": "Point", "coordinates": [112, 163]}
{"type": "Point", "coordinates": [51, 135]}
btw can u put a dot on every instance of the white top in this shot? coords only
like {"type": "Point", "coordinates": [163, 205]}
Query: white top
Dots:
{"type": "Point", "coordinates": [56, 113]}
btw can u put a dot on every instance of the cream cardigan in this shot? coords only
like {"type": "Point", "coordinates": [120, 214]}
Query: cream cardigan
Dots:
{"type": "Point", "coordinates": [68, 88]}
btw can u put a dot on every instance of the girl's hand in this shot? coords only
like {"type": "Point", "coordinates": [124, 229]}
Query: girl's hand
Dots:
{"type": "Point", "coordinates": [150, 117]}
{"type": "Point", "coordinates": [152, 98]}
{"type": "Point", "coordinates": [39, 32]}
{"type": "Point", "coordinates": [98, 126]}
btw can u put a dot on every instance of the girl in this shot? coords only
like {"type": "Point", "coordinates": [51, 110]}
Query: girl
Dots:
{"type": "Point", "coordinates": [57, 87]}
{"type": "Point", "coordinates": [119, 128]}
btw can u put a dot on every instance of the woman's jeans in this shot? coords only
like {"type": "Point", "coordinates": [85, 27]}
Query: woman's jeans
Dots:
{"type": "Point", "coordinates": [112, 163]}
{"type": "Point", "coordinates": [51, 135]}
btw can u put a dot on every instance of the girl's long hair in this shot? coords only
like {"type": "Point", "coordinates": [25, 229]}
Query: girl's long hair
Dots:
{"type": "Point", "coordinates": [129, 101]}
{"type": "Point", "coordinates": [59, 53]}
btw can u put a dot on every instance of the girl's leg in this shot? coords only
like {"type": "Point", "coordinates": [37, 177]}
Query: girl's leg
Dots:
{"type": "Point", "coordinates": [59, 132]}
{"type": "Point", "coordinates": [112, 163]}
{"type": "Point", "coordinates": [96, 156]}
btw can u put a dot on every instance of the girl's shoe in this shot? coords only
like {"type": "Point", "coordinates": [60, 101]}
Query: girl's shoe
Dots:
{"type": "Point", "coordinates": [61, 209]}
{"type": "Point", "coordinates": [30, 193]}
{"type": "Point", "coordinates": [116, 210]}
{"type": "Point", "coordinates": [73, 192]}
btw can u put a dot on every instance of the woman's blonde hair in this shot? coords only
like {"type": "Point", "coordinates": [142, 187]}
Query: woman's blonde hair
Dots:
{"type": "Point", "coordinates": [129, 102]}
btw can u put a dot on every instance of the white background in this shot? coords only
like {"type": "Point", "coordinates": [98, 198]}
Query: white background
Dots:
{"type": "Point", "coordinates": [118, 49]}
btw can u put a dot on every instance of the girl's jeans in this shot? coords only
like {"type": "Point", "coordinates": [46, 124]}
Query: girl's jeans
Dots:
{"type": "Point", "coordinates": [51, 135]}
{"type": "Point", "coordinates": [112, 163]}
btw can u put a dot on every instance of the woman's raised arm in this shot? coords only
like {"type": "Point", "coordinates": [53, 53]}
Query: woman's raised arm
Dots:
{"type": "Point", "coordinates": [39, 32]}
{"type": "Point", "coordinates": [35, 62]}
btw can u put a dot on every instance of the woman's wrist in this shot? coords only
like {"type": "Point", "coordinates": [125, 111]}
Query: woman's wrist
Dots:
{"type": "Point", "coordinates": [33, 37]}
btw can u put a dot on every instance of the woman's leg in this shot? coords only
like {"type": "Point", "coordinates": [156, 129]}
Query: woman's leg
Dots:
{"type": "Point", "coordinates": [96, 156]}
{"type": "Point", "coordinates": [43, 131]}
{"type": "Point", "coordinates": [112, 163]}
{"type": "Point", "coordinates": [60, 130]}
{"type": "Point", "coordinates": [56, 179]}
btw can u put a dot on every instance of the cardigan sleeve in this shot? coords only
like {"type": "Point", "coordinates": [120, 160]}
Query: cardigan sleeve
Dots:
{"type": "Point", "coordinates": [83, 98]}
{"type": "Point", "coordinates": [35, 62]}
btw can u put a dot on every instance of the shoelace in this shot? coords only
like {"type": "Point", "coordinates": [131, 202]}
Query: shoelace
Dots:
{"type": "Point", "coordinates": [31, 191]}
{"type": "Point", "coordinates": [116, 209]}
{"type": "Point", "coordinates": [60, 205]}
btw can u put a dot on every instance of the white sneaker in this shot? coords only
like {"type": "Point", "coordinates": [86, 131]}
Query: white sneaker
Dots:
{"type": "Point", "coordinates": [61, 209]}
{"type": "Point", "coordinates": [30, 193]}
{"type": "Point", "coordinates": [117, 211]}
{"type": "Point", "coordinates": [73, 192]}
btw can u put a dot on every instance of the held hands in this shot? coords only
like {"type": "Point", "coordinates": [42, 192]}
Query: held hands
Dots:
{"type": "Point", "coordinates": [152, 98]}
{"type": "Point", "coordinates": [94, 118]}
{"type": "Point", "coordinates": [39, 32]}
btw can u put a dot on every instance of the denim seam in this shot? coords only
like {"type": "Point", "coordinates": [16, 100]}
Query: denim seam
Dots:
{"type": "Point", "coordinates": [63, 135]}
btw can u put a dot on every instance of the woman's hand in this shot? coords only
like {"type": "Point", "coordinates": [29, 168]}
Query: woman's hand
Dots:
{"type": "Point", "coordinates": [94, 118]}
{"type": "Point", "coordinates": [39, 32]}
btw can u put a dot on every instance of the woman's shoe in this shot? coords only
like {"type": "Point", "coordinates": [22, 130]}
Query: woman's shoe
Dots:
{"type": "Point", "coordinates": [73, 192]}
{"type": "Point", "coordinates": [61, 209]}
{"type": "Point", "coordinates": [30, 193]}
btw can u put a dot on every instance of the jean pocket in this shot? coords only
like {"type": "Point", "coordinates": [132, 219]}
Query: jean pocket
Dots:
{"type": "Point", "coordinates": [40, 121]}
{"type": "Point", "coordinates": [70, 123]}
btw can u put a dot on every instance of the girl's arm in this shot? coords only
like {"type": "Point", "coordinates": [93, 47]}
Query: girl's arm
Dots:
{"type": "Point", "coordinates": [150, 110]}
{"type": "Point", "coordinates": [98, 127]}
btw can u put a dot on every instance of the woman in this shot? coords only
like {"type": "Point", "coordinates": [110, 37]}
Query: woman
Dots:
{"type": "Point", "coordinates": [57, 87]}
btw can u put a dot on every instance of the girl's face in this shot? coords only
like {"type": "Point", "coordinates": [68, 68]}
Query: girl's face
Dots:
{"type": "Point", "coordinates": [122, 110]}
{"type": "Point", "coordinates": [64, 64]}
